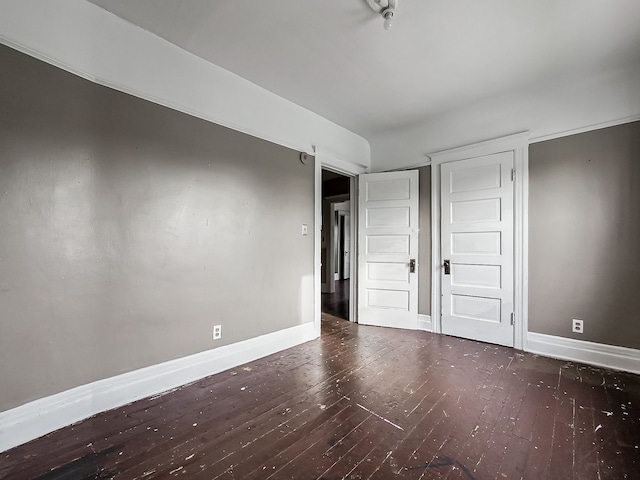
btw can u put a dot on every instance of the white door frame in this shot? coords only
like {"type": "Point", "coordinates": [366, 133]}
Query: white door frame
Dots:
{"type": "Point", "coordinates": [325, 160]}
{"type": "Point", "coordinates": [341, 222]}
{"type": "Point", "coordinates": [519, 144]}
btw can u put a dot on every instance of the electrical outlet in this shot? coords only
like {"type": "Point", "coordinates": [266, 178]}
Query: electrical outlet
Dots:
{"type": "Point", "coordinates": [576, 326]}
{"type": "Point", "coordinates": [217, 332]}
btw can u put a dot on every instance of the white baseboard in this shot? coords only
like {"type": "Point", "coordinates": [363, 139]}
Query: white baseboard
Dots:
{"type": "Point", "coordinates": [42, 416]}
{"type": "Point", "coordinates": [610, 356]}
{"type": "Point", "coordinates": [424, 323]}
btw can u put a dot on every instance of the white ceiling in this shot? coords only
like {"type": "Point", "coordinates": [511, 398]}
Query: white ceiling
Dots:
{"type": "Point", "coordinates": [441, 56]}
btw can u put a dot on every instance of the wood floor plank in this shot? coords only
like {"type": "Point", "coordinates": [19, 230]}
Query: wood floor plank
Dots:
{"type": "Point", "coordinates": [362, 403]}
{"type": "Point", "coordinates": [562, 461]}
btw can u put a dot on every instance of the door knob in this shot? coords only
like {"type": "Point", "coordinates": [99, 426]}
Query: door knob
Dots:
{"type": "Point", "coordinates": [412, 265]}
{"type": "Point", "coordinates": [447, 267]}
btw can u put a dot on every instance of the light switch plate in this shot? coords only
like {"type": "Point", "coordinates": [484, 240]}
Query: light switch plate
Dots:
{"type": "Point", "coordinates": [305, 229]}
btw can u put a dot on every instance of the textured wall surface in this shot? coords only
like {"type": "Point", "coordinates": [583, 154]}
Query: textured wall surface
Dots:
{"type": "Point", "coordinates": [584, 235]}
{"type": "Point", "coordinates": [129, 230]}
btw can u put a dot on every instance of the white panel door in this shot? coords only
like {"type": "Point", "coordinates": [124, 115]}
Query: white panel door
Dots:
{"type": "Point", "coordinates": [477, 248]}
{"type": "Point", "coordinates": [388, 247]}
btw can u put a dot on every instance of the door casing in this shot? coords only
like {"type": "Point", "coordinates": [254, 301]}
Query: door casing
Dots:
{"type": "Point", "coordinates": [519, 144]}
{"type": "Point", "coordinates": [324, 159]}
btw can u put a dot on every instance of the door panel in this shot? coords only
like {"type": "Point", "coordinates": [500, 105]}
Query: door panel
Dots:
{"type": "Point", "coordinates": [388, 217]}
{"type": "Point", "coordinates": [482, 276]}
{"type": "Point", "coordinates": [477, 238]}
{"type": "Point", "coordinates": [392, 272]}
{"type": "Point", "coordinates": [381, 190]}
{"type": "Point", "coordinates": [388, 236]}
{"type": "Point", "coordinates": [388, 244]}
{"type": "Point", "coordinates": [486, 210]}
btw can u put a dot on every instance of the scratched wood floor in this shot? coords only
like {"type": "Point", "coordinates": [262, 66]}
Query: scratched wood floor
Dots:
{"type": "Point", "coordinates": [360, 403]}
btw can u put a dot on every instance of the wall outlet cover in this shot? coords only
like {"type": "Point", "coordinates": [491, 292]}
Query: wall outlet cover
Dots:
{"type": "Point", "coordinates": [577, 326]}
{"type": "Point", "coordinates": [217, 332]}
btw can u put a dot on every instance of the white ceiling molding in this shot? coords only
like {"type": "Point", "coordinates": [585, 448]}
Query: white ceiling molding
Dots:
{"type": "Point", "coordinates": [326, 158]}
{"type": "Point", "coordinates": [447, 74]}
{"type": "Point", "coordinates": [88, 41]}
{"type": "Point", "coordinates": [564, 109]}
{"type": "Point", "coordinates": [588, 128]}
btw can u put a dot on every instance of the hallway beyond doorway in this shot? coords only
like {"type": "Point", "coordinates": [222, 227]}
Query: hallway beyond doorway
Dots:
{"type": "Point", "coordinates": [337, 304]}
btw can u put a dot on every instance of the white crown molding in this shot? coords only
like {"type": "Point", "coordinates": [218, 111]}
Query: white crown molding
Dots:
{"type": "Point", "coordinates": [488, 147]}
{"type": "Point", "coordinates": [609, 356]}
{"type": "Point", "coordinates": [589, 128]}
{"type": "Point", "coordinates": [328, 159]}
{"type": "Point", "coordinates": [86, 40]}
{"type": "Point", "coordinates": [42, 416]}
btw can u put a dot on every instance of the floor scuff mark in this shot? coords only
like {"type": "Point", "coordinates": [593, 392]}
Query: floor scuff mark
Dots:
{"type": "Point", "coordinates": [380, 417]}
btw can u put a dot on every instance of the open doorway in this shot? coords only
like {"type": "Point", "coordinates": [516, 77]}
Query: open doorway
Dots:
{"type": "Point", "coordinates": [336, 244]}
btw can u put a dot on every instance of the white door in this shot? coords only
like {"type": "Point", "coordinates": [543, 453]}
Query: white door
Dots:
{"type": "Point", "coordinates": [477, 244]}
{"type": "Point", "coordinates": [388, 249]}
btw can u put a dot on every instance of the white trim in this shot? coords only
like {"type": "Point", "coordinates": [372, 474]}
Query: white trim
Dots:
{"type": "Point", "coordinates": [435, 249]}
{"type": "Point", "coordinates": [610, 356]}
{"type": "Point", "coordinates": [88, 41]}
{"type": "Point", "coordinates": [589, 128]}
{"type": "Point", "coordinates": [353, 261]}
{"type": "Point", "coordinates": [488, 147]}
{"type": "Point", "coordinates": [413, 166]}
{"type": "Point", "coordinates": [521, 247]}
{"type": "Point", "coordinates": [326, 160]}
{"type": "Point", "coordinates": [424, 323]}
{"type": "Point", "coordinates": [318, 286]}
{"type": "Point", "coordinates": [330, 161]}
{"type": "Point", "coordinates": [519, 143]}
{"type": "Point", "coordinates": [42, 416]}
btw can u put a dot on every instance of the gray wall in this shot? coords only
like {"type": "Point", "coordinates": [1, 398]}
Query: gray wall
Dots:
{"type": "Point", "coordinates": [129, 230]}
{"type": "Point", "coordinates": [584, 235]}
{"type": "Point", "coordinates": [424, 220]}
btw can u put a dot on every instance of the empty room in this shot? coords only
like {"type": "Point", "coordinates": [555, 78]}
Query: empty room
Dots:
{"type": "Point", "coordinates": [361, 239]}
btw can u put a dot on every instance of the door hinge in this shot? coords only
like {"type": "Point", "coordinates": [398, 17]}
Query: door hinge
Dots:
{"type": "Point", "coordinates": [513, 319]}
{"type": "Point", "coordinates": [513, 174]}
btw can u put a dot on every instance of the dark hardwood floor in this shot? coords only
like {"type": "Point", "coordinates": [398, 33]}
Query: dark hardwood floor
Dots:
{"type": "Point", "coordinates": [359, 403]}
{"type": "Point", "coordinates": [337, 304]}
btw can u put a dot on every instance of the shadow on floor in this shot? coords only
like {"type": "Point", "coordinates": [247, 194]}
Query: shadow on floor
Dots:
{"type": "Point", "coordinates": [337, 304]}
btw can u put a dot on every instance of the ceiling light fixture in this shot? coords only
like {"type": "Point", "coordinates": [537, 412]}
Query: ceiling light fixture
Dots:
{"type": "Point", "coordinates": [385, 8]}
